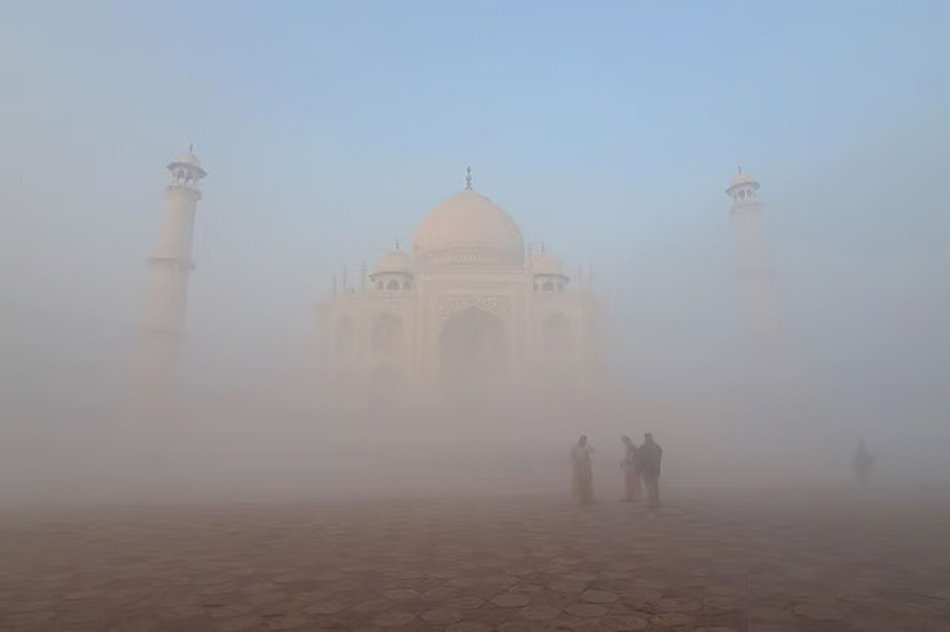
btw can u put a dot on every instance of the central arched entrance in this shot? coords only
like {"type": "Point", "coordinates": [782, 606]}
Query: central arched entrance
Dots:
{"type": "Point", "coordinates": [473, 355]}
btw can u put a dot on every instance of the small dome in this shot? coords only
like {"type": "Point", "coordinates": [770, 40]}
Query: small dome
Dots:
{"type": "Point", "coordinates": [742, 178]}
{"type": "Point", "coordinates": [468, 228]}
{"type": "Point", "coordinates": [545, 263]}
{"type": "Point", "coordinates": [394, 261]}
{"type": "Point", "coordinates": [189, 159]}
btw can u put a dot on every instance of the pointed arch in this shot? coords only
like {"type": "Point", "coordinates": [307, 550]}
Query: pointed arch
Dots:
{"type": "Point", "coordinates": [473, 355]}
{"type": "Point", "coordinates": [386, 336]}
{"type": "Point", "coordinates": [558, 335]}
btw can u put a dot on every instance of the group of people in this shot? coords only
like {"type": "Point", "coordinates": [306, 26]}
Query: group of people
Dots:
{"type": "Point", "coordinates": [640, 468]}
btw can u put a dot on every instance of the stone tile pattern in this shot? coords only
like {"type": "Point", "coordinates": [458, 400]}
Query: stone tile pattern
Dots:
{"type": "Point", "coordinates": [742, 563]}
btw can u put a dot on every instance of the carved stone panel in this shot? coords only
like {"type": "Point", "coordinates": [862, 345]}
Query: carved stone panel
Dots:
{"type": "Point", "coordinates": [493, 304]}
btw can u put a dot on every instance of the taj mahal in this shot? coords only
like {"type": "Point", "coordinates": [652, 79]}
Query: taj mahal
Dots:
{"type": "Point", "coordinates": [469, 312]}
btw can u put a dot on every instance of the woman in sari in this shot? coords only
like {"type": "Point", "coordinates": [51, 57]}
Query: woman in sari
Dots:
{"type": "Point", "coordinates": [632, 488]}
{"type": "Point", "coordinates": [583, 471]}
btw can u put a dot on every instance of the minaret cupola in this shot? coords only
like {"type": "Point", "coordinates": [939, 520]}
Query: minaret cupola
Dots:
{"type": "Point", "coordinates": [186, 171]}
{"type": "Point", "coordinates": [744, 191]}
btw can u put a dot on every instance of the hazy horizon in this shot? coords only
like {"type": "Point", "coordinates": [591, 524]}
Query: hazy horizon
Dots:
{"type": "Point", "coordinates": [609, 133]}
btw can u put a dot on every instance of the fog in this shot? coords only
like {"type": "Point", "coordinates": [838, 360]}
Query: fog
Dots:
{"type": "Point", "coordinates": [325, 144]}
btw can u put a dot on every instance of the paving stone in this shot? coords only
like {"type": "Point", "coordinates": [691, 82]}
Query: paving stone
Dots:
{"type": "Point", "coordinates": [511, 600]}
{"type": "Point", "coordinates": [238, 624]}
{"type": "Point", "coordinates": [818, 610]}
{"type": "Point", "coordinates": [441, 616]}
{"type": "Point", "coordinates": [402, 594]}
{"type": "Point", "coordinates": [676, 604]}
{"type": "Point", "coordinates": [289, 623]}
{"type": "Point", "coordinates": [441, 593]}
{"type": "Point", "coordinates": [371, 606]}
{"type": "Point", "coordinates": [540, 612]}
{"type": "Point", "coordinates": [599, 596]}
{"type": "Point", "coordinates": [522, 625]}
{"type": "Point", "coordinates": [273, 610]}
{"type": "Point", "coordinates": [136, 625]}
{"type": "Point", "coordinates": [469, 602]}
{"type": "Point", "coordinates": [624, 623]}
{"type": "Point", "coordinates": [469, 626]}
{"type": "Point", "coordinates": [789, 627]}
{"type": "Point", "coordinates": [671, 619]}
{"type": "Point", "coordinates": [723, 603]}
{"type": "Point", "coordinates": [579, 577]}
{"type": "Point", "coordinates": [393, 619]}
{"type": "Point", "coordinates": [326, 607]}
{"type": "Point", "coordinates": [770, 615]}
{"type": "Point", "coordinates": [587, 610]}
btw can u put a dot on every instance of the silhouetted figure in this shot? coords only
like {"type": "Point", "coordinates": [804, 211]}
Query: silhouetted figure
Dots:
{"type": "Point", "coordinates": [863, 462]}
{"type": "Point", "coordinates": [581, 456]}
{"type": "Point", "coordinates": [632, 487]}
{"type": "Point", "coordinates": [648, 458]}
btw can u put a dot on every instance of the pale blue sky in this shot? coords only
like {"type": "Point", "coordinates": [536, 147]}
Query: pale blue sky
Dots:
{"type": "Point", "coordinates": [608, 130]}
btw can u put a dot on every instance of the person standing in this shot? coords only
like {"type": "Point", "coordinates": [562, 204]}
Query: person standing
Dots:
{"type": "Point", "coordinates": [649, 456]}
{"type": "Point", "coordinates": [632, 487]}
{"type": "Point", "coordinates": [581, 456]}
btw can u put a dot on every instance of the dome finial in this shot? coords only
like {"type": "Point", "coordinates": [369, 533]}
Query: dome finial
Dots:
{"type": "Point", "coordinates": [191, 148]}
{"type": "Point", "coordinates": [397, 243]}
{"type": "Point", "coordinates": [468, 178]}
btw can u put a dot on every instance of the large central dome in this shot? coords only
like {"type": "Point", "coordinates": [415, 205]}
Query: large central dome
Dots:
{"type": "Point", "coordinates": [466, 229]}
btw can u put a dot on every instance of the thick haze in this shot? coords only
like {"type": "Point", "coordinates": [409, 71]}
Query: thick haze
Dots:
{"type": "Point", "coordinates": [610, 133]}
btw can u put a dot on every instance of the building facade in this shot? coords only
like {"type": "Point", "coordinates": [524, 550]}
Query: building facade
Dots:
{"type": "Point", "coordinates": [468, 313]}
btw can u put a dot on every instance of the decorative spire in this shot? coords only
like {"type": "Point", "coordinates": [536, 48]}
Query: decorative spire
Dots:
{"type": "Point", "coordinates": [191, 148]}
{"type": "Point", "coordinates": [468, 178]}
{"type": "Point", "coordinates": [397, 243]}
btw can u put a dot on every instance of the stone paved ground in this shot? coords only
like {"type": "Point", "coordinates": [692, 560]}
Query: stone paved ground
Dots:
{"type": "Point", "coordinates": [713, 562]}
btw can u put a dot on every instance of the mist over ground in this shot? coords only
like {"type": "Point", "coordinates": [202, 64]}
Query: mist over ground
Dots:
{"type": "Point", "coordinates": [310, 173]}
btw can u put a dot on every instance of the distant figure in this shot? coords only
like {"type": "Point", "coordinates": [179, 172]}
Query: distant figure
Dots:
{"type": "Point", "coordinates": [583, 471]}
{"type": "Point", "coordinates": [863, 463]}
{"type": "Point", "coordinates": [648, 458]}
{"type": "Point", "coordinates": [632, 488]}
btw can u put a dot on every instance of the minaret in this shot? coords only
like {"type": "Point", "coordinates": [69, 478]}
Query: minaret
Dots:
{"type": "Point", "coordinates": [163, 323]}
{"type": "Point", "coordinates": [760, 303]}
